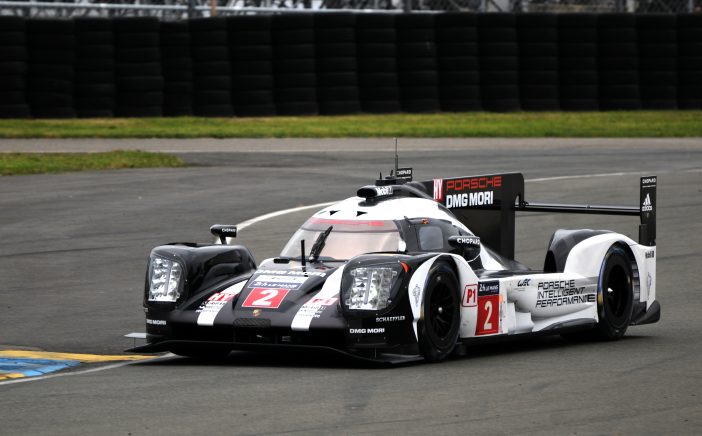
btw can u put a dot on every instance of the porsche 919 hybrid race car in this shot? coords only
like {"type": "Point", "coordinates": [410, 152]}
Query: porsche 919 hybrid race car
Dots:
{"type": "Point", "coordinates": [405, 270]}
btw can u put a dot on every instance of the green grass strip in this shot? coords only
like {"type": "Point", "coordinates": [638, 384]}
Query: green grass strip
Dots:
{"type": "Point", "coordinates": [37, 163]}
{"type": "Point", "coordinates": [473, 124]}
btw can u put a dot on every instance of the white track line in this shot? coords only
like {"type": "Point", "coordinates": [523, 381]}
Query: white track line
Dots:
{"type": "Point", "coordinates": [268, 216]}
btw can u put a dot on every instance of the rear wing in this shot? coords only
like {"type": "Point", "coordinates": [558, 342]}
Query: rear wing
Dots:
{"type": "Point", "coordinates": [488, 204]}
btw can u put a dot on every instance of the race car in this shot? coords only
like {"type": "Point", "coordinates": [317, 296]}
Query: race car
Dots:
{"type": "Point", "coordinates": [405, 270]}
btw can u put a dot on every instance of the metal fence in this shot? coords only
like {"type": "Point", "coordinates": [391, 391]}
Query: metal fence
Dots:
{"type": "Point", "coordinates": [179, 9]}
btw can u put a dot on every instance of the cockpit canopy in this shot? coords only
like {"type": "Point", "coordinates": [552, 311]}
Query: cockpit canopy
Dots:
{"type": "Point", "coordinates": [348, 238]}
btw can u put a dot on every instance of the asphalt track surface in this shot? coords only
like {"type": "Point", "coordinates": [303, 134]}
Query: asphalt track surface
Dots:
{"type": "Point", "coordinates": [74, 248]}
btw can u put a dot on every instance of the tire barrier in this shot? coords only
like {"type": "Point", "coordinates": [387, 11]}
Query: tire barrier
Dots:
{"type": "Point", "coordinates": [538, 61]}
{"type": "Point", "coordinates": [344, 63]}
{"type": "Point", "coordinates": [50, 78]}
{"type": "Point", "coordinates": [13, 68]}
{"type": "Point", "coordinates": [177, 63]}
{"type": "Point", "coordinates": [95, 86]}
{"type": "Point", "coordinates": [416, 63]}
{"type": "Point", "coordinates": [578, 76]}
{"type": "Point", "coordinates": [499, 61]}
{"type": "Point", "coordinates": [337, 66]}
{"type": "Point", "coordinates": [212, 69]}
{"type": "Point", "coordinates": [294, 64]}
{"type": "Point", "coordinates": [138, 69]}
{"type": "Point", "coordinates": [457, 62]}
{"type": "Point", "coordinates": [690, 61]}
{"type": "Point", "coordinates": [252, 73]}
{"type": "Point", "coordinates": [658, 69]}
{"type": "Point", "coordinates": [376, 41]}
{"type": "Point", "coordinates": [617, 64]}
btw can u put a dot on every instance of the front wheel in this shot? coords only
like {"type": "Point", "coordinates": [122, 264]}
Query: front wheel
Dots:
{"type": "Point", "coordinates": [440, 321]}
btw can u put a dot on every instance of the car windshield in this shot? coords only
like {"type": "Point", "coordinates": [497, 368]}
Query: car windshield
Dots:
{"type": "Point", "coordinates": [348, 238]}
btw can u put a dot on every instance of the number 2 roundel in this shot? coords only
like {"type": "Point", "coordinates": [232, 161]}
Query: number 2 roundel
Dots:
{"type": "Point", "coordinates": [265, 298]}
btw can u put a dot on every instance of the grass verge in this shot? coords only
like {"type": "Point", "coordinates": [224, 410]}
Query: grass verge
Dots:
{"type": "Point", "coordinates": [473, 124]}
{"type": "Point", "coordinates": [36, 163]}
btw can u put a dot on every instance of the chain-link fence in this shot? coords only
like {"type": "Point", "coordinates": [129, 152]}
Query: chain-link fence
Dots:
{"type": "Point", "coordinates": [177, 9]}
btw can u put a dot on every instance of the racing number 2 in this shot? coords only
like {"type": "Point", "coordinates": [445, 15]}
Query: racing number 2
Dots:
{"type": "Point", "coordinates": [488, 315]}
{"type": "Point", "coordinates": [267, 298]}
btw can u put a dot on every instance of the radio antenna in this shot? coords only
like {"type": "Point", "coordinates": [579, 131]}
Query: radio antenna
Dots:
{"type": "Point", "coordinates": [396, 158]}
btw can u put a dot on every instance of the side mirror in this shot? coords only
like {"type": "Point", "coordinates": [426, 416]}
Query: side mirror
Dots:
{"type": "Point", "coordinates": [470, 245]}
{"type": "Point", "coordinates": [223, 231]}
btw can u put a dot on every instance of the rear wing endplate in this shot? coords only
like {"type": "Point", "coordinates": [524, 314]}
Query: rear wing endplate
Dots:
{"type": "Point", "coordinates": [487, 205]}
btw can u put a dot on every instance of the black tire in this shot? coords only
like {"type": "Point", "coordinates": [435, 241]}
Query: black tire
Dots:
{"type": "Point", "coordinates": [336, 35]}
{"type": "Point", "coordinates": [252, 81]}
{"type": "Point", "coordinates": [339, 79]}
{"type": "Point", "coordinates": [126, 41]}
{"type": "Point", "coordinates": [299, 36]}
{"type": "Point", "coordinates": [380, 106]}
{"type": "Point", "coordinates": [615, 295]}
{"type": "Point", "coordinates": [260, 38]}
{"type": "Point", "coordinates": [339, 50]}
{"type": "Point", "coordinates": [224, 110]}
{"type": "Point", "coordinates": [292, 50]}
{"type": "Point", "coordinates": [410, 64]}
{"type": "Point", "coordinates": [458, 63]}
{"type": "Point", "coordinates": [456, 34]}
{"type": "Point", "coordinates": [439, 324]}
{"type": "Point", "coordinates": [14, 111]}
{"type": "Point", "coordinates": [459, 78]}
{"type": "Point", "coordinates": [386, 36]}
{"type": "Point", "coordinates": [240, 53]}
{"type": "Point", "coordinates": [461, 105]}
{"type": "Point", "coordinates": [253, 67]}
{"type": "Point", "coordinates": [339, 107]}
{"type": "Point", "coordinates": [297, 108]}
{"type": "Point", "coordinates": [340, 64]}
{"type": "Point", "coordinates": [457, 49]}
{"type": "Point", "coordinates": [263, 110]}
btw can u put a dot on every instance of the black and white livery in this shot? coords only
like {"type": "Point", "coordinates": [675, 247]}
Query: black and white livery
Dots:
{"type": "Point", "coordinates": [405, 270]}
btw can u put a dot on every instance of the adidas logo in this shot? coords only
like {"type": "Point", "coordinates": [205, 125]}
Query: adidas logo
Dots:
{"type": "Point", "coordinates": [647, 206]}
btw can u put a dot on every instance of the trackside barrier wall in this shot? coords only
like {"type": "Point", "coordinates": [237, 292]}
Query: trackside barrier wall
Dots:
{"type": "Point", "coordinates": [342, 63]}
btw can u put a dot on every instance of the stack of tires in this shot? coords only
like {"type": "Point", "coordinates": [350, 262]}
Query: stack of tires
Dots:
{"type": "Point", "coordinates": [212, 83]}
{"type": "Point", "coordinates": [416, 63]}
{"type": "Point", "coordinates": [618, 62]}
{"type": "Point", "coordinates": [658, 69]}
{"type": "Point", "coordinates": [177, 63]}
{"type": "Point", "coordinates": [139, 78]}
{"type": "Point", "coordinates": [499, 61]}
{"type": "Point", "coordinates": [337, 70]}
{"type": "Point", "coordinates": [251, 54]}
{"type": "Point", "coordinates": [377, 63]}
{"type": "Point", "coordinates": [52, 54]}
{"type": "Point", "coordinates": [13, 68]}
{"type": "Point", "coordinates": [457, 62]}
{"type": "Point", "coordinates": [538, 61]}
{"type": "Point", "coordinates": [95, 68]}
{"type": "Point", "coordinates": [577, 58]}
{"type": "Point", "coordinates": [294, 66]}
{"type": "Point", "coordinates": [690, 61]}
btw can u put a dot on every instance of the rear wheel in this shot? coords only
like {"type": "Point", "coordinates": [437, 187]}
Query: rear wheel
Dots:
{"type": "Point", "coordinates": [615, 295]}
{"type": "Point", "coordinates": [439, 324]}
{"type": "Point", "coordinates": [615, 298]}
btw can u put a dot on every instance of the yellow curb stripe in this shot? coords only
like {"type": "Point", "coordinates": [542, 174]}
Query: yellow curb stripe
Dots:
{"type": "Point", "coordinates": [10, 375]}
{"type": "Point", "coordinates": [86, 358]}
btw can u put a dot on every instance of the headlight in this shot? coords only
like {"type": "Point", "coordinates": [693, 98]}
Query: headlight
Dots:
{"type": "Point", "coordinates": [370, 287]}
{"type": "Point", "coordinates": [164, 279]}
